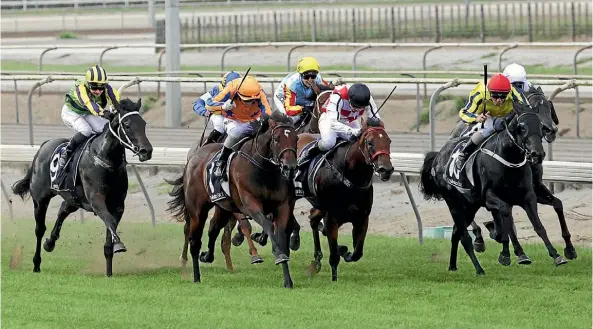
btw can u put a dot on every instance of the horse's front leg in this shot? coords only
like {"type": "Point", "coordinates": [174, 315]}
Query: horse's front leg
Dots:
{"type": "Point", "coordinates": [314, 220]}
{"type": "Point", "coordinates": [217, 223]}
{"type": "Point", "coordinates": [332, 240]}
{"type": "Point", "coordinates": [359, 232]}
{"type": "Point", "coordinates": [522, 258]}
{"type": "Point", "coordinates": [501, 213]}
{"type": "Point", "coordinates": [225, 243]}
{"type": "Point", "coordinates": [246, 232]}
{"type": "Point", "coordinates": [530, 207]}
{"type": "Point", "coordinates": [282, 232]}
{"type": "Point", "coordinates": [479, 245]}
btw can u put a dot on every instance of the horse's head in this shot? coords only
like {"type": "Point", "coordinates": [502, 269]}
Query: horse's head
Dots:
{"type": "Point", "coordinates": [525, 130]}
{"type": "Point", "coordinates": [282, 143]}
{"type": "Point", "coordinates": [545, 110]}
{"type": "Point", "coordinates": [129, 128]}
{"type": "Point", "coordinates": [375, 145]}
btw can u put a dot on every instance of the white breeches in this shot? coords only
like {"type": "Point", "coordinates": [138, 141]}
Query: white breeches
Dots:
{"type": "Point", "coordinates": [235, 131]}
{"type": "Point", "coordinates": [280, 107]}
{"type": "Point", "coordinates": [329, 135]}
{"type": "Point", "coordinates": [86, 124]}
{"type": "Point", "coordinates": [217, 122]}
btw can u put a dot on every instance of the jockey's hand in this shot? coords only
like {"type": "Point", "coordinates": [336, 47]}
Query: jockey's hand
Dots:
{"type": "Point", "coordinates": [228, 105]}
{"type": "Point", "coordinates": [481, 118]}
{"type": "Point", "coordinates": [106, 114]}
{"type": "Point", "coordinates": [307, 109]}
{"type": "Point", "coordinates": [338, 81]}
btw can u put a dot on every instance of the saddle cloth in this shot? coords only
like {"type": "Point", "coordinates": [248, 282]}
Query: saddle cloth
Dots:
{"type": "Point", "coordinates": [64, 179]}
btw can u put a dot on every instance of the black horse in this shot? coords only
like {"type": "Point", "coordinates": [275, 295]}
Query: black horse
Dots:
{"type": "Point", "coordinates": [500, 180]}
{"type": "Point", "coordinates": [547, 114]}
{"type": "Point", "coordinates": [101, 179]}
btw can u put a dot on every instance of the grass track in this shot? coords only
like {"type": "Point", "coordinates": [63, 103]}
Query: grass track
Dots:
{"type": "Point", "coordinates": [397, 284]}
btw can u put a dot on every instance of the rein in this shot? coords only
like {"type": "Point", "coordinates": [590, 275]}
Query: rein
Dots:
{"type": "Point", "coordinates": [128, 143]}
{"type": "Point", "coordinates": [501, 159]}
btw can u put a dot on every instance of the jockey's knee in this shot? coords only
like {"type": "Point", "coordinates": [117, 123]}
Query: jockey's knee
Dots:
{"type": "Point", "coordinates": [480, 136]}
{"type": "Point", "coordinates": [87, 131]}
{"type": "Point", "coordinates": [325, 144]}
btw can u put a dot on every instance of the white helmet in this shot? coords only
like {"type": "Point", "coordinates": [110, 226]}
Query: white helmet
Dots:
{"type": "Point", "coordinates": [517, 75]}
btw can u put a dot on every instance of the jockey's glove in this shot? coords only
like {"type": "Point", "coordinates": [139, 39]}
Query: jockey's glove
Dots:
{"type": "Point", "coordinates": [307, 109]}
{"type": "Point", "coordinates": [338, 81]}
{"type": "Point", "coordinates": [228, 105]}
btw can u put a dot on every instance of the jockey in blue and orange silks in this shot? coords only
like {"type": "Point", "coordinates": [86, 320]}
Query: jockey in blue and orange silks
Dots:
{"type": "Point", "coordinates": [239, 104]}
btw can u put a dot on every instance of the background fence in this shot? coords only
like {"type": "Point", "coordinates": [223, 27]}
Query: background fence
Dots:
{"type": "Point", "coordinates": [531, 21]}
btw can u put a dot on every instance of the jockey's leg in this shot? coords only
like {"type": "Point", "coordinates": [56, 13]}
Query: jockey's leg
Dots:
{"type": "Point", "coordinates": [96, 122]}
{"type": "Point", "coordinates": [235, 131]}
{"type": "Point", "coordinates": [456, 132]}
{"type": "Point", "coordinates": [218, 125]}
{"type": "Point", "coordinates": [476, 139]}
{"type": "Point", "coordinates": [83, 130]}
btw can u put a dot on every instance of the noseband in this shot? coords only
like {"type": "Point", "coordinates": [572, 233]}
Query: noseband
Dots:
{"type": "Point", "coordinates": [363, 142]}
{"type": "Point", "coordinates": [128, 143]}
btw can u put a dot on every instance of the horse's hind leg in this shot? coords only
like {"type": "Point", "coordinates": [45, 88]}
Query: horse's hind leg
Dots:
{"type": "Point", "coordinates": [217, 223]}
{"type": "Point", "coordinates": [295, 236]}
{"type": "Point", "coordinates": [239, 237]}
{"type": "Point", "coordinates": [246, 232]}
{"type": "Point", "coordinates": [65, 210]}
{"type": "Point", "coordinates": [315, 265]}
{"type": "Point", "coordinates": [183, 257]}
{"type": "Point", "coordinates": [479, 244]}
{"type": "Point", "coordinates": [522, 258]}
{"type": "Point", "coordinates": [196, 227]}
{"type": "Point", "coordinates": [40, 210]}
{"type": "Point", "coordinates": [225, 243]}
{"type": "Point", "coordinates": [544, 196]}
{"type": "Point", "coordinates": [332, 240]}
{"type": "Point", "coordinates": [462, 215]}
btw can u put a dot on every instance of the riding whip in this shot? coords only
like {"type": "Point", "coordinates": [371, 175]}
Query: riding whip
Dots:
{"type": "Point", "coordinates": [485, 88]}
{"type": "Point", "coordinates": [385, 101]}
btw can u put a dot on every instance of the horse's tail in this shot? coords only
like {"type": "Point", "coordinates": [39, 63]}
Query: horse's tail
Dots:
{"type": "Point", "coordinates": [23, 186]}
{"type": "Point", "coordinates": [177, 204]}
{"type": "Point", "coordinates": [428, 186]}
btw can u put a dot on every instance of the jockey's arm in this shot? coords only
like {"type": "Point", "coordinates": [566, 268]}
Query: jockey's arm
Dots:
{"type": "Point", "coordinates": [290, 105]}
{"type": "Point", "coordinates": [373, 112]}
{"type": "Point", "coordinates": [214, 106]}
{"type": "Point", "coordinates": [473, 107]}
{"type": "Point", "coordinates": [263, 104]}
{"type": "Point", "coordinates": [89, 104]}
{"type": "Point", "coordinates": [333, 113]}
{"type": "Point", "coordinates": [200, 104]}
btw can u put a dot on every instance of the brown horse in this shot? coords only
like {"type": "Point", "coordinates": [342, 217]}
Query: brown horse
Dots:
{"type": "Point", "coordinates": [345, 178]}
{"type": "Point", "coordinates": [258, 183]}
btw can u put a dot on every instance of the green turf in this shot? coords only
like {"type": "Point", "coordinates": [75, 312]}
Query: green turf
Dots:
{"type": "Point", "coordinates": [397, 284]}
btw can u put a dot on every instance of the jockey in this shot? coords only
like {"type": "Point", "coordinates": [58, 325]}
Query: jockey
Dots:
{"type": "Point", "coordinates": [339, 117]}
{"type": "Point", "coordinates": [216, 119]}
{"type": "Point", "coordinates": [85, 105]}
{"type": "Point", "coordinates": [500, 97]}
{"type": "Point", "coordinates": [518, 76]}
{"type": "Point", "coordinates": [238, 113]}
{"type": "Point", "coordinates": [296, 94]}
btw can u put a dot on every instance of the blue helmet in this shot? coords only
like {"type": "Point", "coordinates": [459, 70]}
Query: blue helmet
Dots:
{"type": "Point", "coordinates": [228, 77]}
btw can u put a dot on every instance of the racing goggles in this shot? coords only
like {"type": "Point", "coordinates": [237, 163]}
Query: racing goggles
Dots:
{"type": "Point", "coordinates": [309, 75]}
{"type": "Point", "coordinates": [97, 86]}
{"type": "Point", "coordinates": [499, 95]}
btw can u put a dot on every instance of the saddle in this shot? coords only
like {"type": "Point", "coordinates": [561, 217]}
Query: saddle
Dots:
{"type": "Point", "coordinates": [64, 179]}
{"type": "Point", "coordinates": [305, 183]}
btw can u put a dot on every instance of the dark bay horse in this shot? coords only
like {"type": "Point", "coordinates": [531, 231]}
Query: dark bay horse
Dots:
{"type": "Point", "coordinates": [502, 179]}
{"type": "Point", "coordinates": [547, 114]}
{"type": "Point", "coordinates": [344, 190]}
{"type": "Point", "coordinates": [101, 184]}
{"type": "Point", "coordinates": [259, 178]}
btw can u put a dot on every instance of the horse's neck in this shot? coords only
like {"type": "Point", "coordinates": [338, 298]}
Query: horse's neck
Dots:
{"type": "Point", "coordinates": [355, 168]}
{"type": "Point", "coordinates": [504, 146]}
{"type": "Point", "coordinates": [109, 149]}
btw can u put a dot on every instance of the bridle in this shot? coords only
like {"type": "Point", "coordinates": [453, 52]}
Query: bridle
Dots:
{"type": "Point", "coordinates": [128, 142]}
{"type": "Point", "coordinates": [364, 145]}
{"type": "Point", "coordinates": [275, 159]}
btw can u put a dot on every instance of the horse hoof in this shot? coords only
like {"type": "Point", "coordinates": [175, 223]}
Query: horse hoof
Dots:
{"type": "Point", "coordinates": [256, 259]}
{"type": "Point", "coordinates": [206, 257]}
{"type": "Point", "coordinates": [504, 260]}
{"type": "Point", "coordinates": [49, 245]}
{"type": "Point", "coordinates": [119, 247]}
{"type": "Point", "coordinates": [237, 240]}
{"type": "Point", "coordinates": [559, 261]}
{"type": "Point", "coordinates": [480, 272]}
{"type": "Point", "coordinates": [342, 250]}
{"type": "Point", "coordinates": [523, 260]}
{"type": "Point", "coordinates": [36, 270]}
{"type": "Point", "coordinates": [288, 284]}
{"type": "Point", "coordinates": [570, 253]}
{"type": "Point", "coordinates": [452, 268]}
{"type": "Point", "coordinates": [479, 246]}
{"type": "Point", "coordinates": [282, 258]}
{"type": "Point", "coordinates": [295, 242]}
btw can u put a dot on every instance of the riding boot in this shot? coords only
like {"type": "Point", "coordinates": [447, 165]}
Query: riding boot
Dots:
{"type": "Point", "coordinates": [468, 149]}
{"type": "Point", "coordinates": [222, 159]}
{"type": "Point", "coordinates": [213, 137]}
{"type": "Point", "coordinates": [306, 157]}
{"type": "Point", "coordinates": [73, 144]}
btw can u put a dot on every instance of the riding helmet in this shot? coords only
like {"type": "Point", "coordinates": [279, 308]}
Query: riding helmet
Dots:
{"type": "Point", "coordinates": [359, 95]}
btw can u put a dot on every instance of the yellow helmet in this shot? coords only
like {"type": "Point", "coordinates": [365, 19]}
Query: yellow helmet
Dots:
{"type": "Point", "coordinates": [250, 89]}
{"type": "Point", "coordinates": [96, 75]}
{"type": "Point", "coordinates": [308, 64]}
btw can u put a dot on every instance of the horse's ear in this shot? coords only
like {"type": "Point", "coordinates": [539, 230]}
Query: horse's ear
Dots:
{"type": "Point", "coordinates": [554, 115]}
{"type": "Point", "coordinates": [139, 103]}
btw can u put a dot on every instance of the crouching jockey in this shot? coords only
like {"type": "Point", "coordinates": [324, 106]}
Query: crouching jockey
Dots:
{"type": "Point", "coordinates": [206, 99]}
{"type": "Point", "coordinates": [499, 97]}
{"type": "Point", "coordinates": [339, 118]}
{"type": "Point", "coordinates": [298, 91]}
{"type": "Point", "coordinates": [85, 105]}
{"type": "Point", "coordinates": [240, 103]}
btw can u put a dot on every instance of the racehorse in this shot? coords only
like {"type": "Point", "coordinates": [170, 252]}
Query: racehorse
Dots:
{"type": "Point", "coordinates": [257, 177]}
{"type": "Point", "coordinates": [345, 178]}
{"type": "Point", "coordinates": [547, 114]}
{"type": "Point", "coordinates": [101, 183]}
{"type": "Point", "coordinates": [501, 180]}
